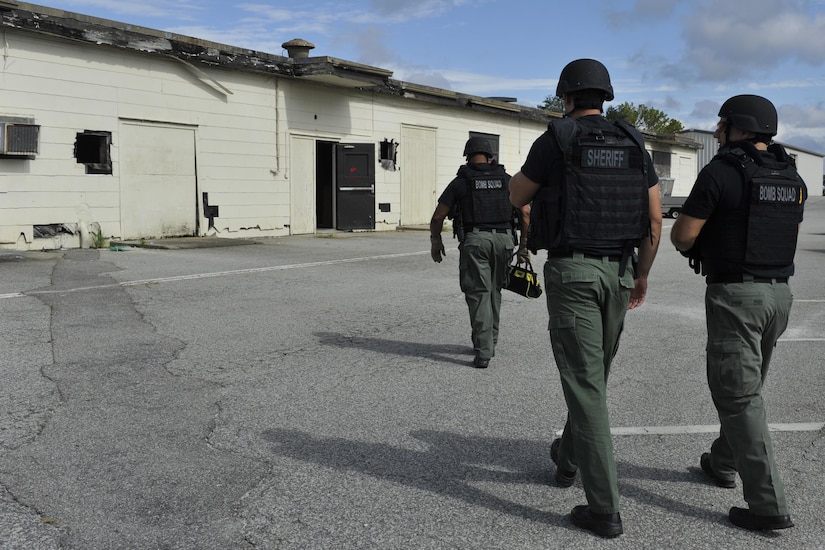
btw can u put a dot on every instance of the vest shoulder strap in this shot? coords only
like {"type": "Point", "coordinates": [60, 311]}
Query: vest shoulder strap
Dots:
{"type": "Point", "coordinates": [742, 160]}
{"type": "Point", "coordinates": [632, 132]}
{"type": "Point", "coordinates": [565, 129]}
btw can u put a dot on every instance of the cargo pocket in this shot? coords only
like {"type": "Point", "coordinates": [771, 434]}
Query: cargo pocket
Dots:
{"type": "Point", "coordinates": [726, 377]}
{"type": "Point", "coordinates": [467, 272]}
{"type": "Point", "coordinates": [565, 341]}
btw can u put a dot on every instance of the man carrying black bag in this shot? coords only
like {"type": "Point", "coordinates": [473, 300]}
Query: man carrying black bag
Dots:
{"type": "Point", "coordinates": [478, 201]}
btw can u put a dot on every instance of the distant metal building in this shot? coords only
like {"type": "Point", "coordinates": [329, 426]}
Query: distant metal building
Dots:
{"type": "Point", "coordinates": [709, 146]}
{"type": "Point", "coordinates": [808, 163]}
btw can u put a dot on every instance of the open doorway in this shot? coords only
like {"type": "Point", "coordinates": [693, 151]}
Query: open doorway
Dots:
{"type": "Point", "coordinates": [324, 188]}
{"type": "Point", "coordinates": [344, 185]}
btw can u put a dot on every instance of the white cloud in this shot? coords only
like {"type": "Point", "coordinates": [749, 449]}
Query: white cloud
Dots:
{"type": "Point", "coordinates": [180, 10]}
{"type": "Point", "coordinates": [371, 46]}
{"type": "Point", "coordinates": [796, 84]}
{"type": "Point", "coordinates": [396, 11]}
{"type": "Point", "coordinates": [271, 13]}
{"type": "Point", "coordinates": [725, 42]}
{"type": "Point", "coordinates": [812, 116]}
{"type": "Point", "coordinates": [237, 37]}
{"type": "Point", "coordinates": [642, 10]}
{"type": "Point", "coordinates": [332, 14]}
{"type": "Point", "coordinates": [486, 84]}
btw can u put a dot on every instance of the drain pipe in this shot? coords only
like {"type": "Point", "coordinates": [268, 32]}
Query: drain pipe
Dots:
{"type": "Point", "coordinates": [85, 240]}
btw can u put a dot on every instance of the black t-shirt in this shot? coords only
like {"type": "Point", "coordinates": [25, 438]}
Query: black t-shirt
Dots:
{"type": "Point", "coordinates": [719, 196]}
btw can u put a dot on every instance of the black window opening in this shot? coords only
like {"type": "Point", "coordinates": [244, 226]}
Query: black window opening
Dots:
{"type": "Point", "coordinates": [492, 138]}
{"type": "Point", "coordinates": [661, 163]}
{"type": "Point", "coordinates": [388, 154]}
{"type": "Point", "coordinates": [93, 150]}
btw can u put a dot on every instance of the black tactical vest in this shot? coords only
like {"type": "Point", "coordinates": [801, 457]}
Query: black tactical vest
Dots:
{"type": "Point", "coordinates": [603, 201]}
{"type": "Point", "coordinates": [488, 197]}
{"type": "Point", "coordinates": [775, 194]}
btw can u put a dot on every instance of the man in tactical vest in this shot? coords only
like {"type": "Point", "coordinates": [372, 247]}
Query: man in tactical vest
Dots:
{"type": "Point", "coordinates": [478, 202]}
{"type": "Point", "coordinates": [739, 228]}
{"type": "Point", "coordinates": [595, 200]}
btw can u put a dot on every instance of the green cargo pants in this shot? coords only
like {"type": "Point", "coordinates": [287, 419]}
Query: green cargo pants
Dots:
{"type": "Point", "coordinates": [587, 302]}
{"type": "Point", "coordinates": [482, 265]}
{"type": "Point", "coordinates": [744, 322]}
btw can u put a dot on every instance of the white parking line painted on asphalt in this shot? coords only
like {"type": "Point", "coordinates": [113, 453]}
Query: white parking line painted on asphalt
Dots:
{"type": "Point", "coordinates": [710, 429]}
{"type": "Point", "coordinates": [271, 268]}
{"type": "Point", "coordinates": [218, 274]}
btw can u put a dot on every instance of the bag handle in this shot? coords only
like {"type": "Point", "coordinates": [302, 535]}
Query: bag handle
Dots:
{"type": "Point", "coordinates": [518, 263]}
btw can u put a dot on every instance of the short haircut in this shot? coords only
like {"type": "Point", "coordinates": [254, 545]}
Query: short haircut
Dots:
{"type": "Point", "coordinates": [588, 99]}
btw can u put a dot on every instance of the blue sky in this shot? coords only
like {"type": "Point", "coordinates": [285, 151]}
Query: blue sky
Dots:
{"type": "Point", "coordinates": [684, 57]}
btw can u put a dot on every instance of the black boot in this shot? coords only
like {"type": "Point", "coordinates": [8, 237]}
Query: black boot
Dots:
{"type": "Point", "coordinates": [746, 520]}
{"type": "Point", "coordinates": [604, 525]}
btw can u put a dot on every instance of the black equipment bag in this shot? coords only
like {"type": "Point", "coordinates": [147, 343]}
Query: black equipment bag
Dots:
{"type": "Point", "coordinates": [522, 280]}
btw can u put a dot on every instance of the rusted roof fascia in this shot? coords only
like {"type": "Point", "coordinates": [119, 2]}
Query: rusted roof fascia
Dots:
{"type": "Point", "coordinates": [672, 139]}
{"type": "Point", "coordinates": [97, 31]}
{"type": "Point", "coordinates": [185, 48]}
{"type": "Point", "coordinates": [329, 66]}
{"type": "Point", "coordinates": [454, 100]}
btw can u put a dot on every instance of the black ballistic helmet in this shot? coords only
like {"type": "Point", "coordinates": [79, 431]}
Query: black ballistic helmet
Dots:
{"type": "Point", "coordinates": [585, 74]}
{"type": "Point", "coordinates": [750, 113]}
{"type": "Point", "coordinates": [478, 145]}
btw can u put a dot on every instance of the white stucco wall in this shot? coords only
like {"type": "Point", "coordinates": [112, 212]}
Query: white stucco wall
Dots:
{"type": "Point", "coordinates": [809, 166]}
{"type": "Point", "coordinates": [242, 124]}
{"type": "Point", "coordinates": [68, 87]}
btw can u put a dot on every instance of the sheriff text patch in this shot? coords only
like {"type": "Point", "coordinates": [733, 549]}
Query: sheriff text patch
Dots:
{"type": "Point", "coordinates": [605, 157]}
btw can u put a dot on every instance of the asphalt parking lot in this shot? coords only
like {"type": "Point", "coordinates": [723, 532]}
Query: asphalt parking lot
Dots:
{"type": "Point", "coordinates": [316, 392]}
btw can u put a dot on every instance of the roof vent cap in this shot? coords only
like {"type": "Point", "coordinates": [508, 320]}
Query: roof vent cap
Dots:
{"type": "Point", "coordinates": [298, 47]}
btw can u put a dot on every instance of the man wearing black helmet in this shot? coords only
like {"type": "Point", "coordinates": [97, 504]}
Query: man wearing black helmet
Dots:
{"type": "Point", "coordinates": [595, 200]}
{"type": "Point", "coordinates": [477, 201]}
{"type": "Point", "coordinates": [739, 228]}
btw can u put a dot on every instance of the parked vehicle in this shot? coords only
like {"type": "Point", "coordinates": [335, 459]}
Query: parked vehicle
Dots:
{"type": "Point", "coordinates": [671, 206]}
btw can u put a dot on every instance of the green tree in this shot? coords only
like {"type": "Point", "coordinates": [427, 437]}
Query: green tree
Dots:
{"type": "Point", "coordinates": [552, 103]}
{"type": "Point", "coordinates": [644, 118]}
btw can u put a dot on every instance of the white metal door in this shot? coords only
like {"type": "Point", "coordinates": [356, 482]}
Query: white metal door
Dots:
{"type": "Point", "coordinates": [301, 185]}
{"type": "Point", "coordinates": [158, 187]}
{"type": "Point", "coordinates": [418, 174]}
{"type": "Point", "coordinates": [685, 178]}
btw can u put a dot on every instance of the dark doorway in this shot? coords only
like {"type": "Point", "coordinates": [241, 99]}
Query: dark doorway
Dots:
{"type": "Point", "coordinates": [355, 186]}
{"type": "Point", "coordinates": [324, 189]}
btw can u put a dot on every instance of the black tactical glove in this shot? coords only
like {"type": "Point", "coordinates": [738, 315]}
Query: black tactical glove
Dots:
{"type": "Point", "coordinates": [437, 248]}
{"type": "Point", "coordinates": [694, 259]}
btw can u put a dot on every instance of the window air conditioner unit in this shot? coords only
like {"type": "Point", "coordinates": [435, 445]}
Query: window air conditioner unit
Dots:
{"type": "Point", "coordinates": [18, 139]}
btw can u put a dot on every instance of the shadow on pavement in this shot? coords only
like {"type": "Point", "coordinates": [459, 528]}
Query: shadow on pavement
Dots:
{"type": "Point", "coordinates": [436, 352]}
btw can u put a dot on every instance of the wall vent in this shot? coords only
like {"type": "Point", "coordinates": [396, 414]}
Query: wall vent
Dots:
{"type": "Point", "coordinates": [17, 139]}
